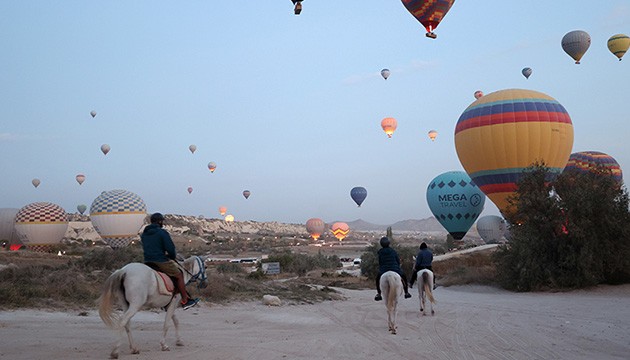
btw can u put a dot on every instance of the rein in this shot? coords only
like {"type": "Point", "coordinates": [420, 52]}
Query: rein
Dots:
{"type": "Point", "coordinates": [200, 276]}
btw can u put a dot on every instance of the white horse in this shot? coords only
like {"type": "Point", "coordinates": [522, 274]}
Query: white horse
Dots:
{"type": "Point", "coordinates": [425, 289]}
{"type": "Point", "coordinates": [392, 290]}
{"type": "Point", "coordinates": [135, 287]}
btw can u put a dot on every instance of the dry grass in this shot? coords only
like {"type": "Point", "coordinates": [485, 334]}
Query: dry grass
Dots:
{"type": "Point", "coordinates": [472, 268]}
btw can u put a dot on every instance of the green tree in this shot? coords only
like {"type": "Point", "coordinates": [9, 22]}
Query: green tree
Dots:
{"type": "Point", "coordinates": [578, 238]}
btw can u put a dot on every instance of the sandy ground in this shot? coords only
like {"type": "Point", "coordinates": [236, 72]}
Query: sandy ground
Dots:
{"type": "Point", "coordinates": [471, 322]}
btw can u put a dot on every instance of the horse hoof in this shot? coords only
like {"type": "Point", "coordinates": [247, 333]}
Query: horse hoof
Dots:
{"type": "Point", "coordinates": [179, 343]}
{"type": "Point", "coordinates": [113, 356]}
{"type": "Point", "coordinates": [166, 348]}
{"type": "Point", "coordinates": [135, 351]}
{"type": "Point", "coordinates": [432, 312]}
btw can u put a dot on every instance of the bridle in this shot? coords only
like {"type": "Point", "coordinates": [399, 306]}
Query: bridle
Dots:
{"type": "Point", "coordinates": [200, 276]}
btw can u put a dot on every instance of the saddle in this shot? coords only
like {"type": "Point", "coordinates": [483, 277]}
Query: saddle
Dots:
{"type": "Point", "coordinates": [166, 286]}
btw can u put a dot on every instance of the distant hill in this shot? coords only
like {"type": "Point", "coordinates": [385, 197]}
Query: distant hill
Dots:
{"type": "Point", "coordinates": [428, 224]}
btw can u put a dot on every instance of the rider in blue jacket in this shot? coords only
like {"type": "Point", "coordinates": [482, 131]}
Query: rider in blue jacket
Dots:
{"type": "Point", "coordinates": [424, 260]}
{"type": "Point", "coordinates": [388, 260]}
{"type": "Point", "coordinates": [160, 255]}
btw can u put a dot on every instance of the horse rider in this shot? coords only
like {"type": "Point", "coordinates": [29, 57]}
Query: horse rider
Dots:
{"type": "Point", "coordinates": [388, 260]}
{"type": "Point", "coordinates": [424, 260]}
{"type": "Point", "coordinates": [160, 254]}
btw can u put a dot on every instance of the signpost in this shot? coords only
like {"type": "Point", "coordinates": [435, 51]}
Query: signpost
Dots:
{"type": "Point", "coordinates": [271, 268]}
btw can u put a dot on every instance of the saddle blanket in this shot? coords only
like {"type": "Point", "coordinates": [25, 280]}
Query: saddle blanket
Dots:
{"type": "Point", "coordinates": [165, 284]}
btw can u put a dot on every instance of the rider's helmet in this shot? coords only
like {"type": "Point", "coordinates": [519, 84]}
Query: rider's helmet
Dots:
{"type": "Point", "coordinates": [423, 246]}
{"type": "Point", "coordinates": [384, 242]}
{"type": "Point", "coordinates": [157, 218]}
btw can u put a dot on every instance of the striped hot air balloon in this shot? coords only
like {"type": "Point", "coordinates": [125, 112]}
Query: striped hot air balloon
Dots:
{"type": "Point", "coordinates": [428, 12]}
{"type": "Point", "coordinates": [618, 45]}
{"type": "Point", "coordinates": [586, 161]}
{"type": "Point", "coordinates": [502, 133]}
{"type": "Point", "coordinates": [340, 230]}
{"type": "Point", "coordinates": [41, 225]}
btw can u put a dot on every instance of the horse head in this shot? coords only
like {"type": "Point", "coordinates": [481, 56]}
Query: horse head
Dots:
{"type": "Point", "coordinates": [195, 271]}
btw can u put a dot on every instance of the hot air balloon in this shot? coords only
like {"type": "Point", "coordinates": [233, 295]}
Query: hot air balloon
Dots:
{"type": "Point", "coordinates": [222, 210]}
{"type": "Point", "coordinates": [494, 141]}
{"type": "Point", "coordinates": [93, 113]}
{"type": "Point", "coordinates": [340, 230]}
{"type": "Point", "coordinates": [586, 161]}
{"type": "Point", "coordinates": [246, 193]}
{"type": "Point", "coordinates": [105, 148]}
{"type": "Point", "coordinates": [618, 45]}
{"type": "Point", "coordinates": [428, 12]}
{"type": "Point", "coordinates": [229, 218]}
{"type": "Point", "coordinates": [40, 225]}
{"type": "Point", "coordinates": [315, 227]}
{"type": "Point", "coordinates": [35, 182]}
{"type": "Point", "coordinates": [8, 234]}
{"type": "Point", "coordinates": [212, 166]}
{"type": "Point", "coordinates": [298, 6]}
{"type": "Point", "coordinates": [527, 72]}
{"type": "Point", "coordinates": [81, 208]}
{"type": "Point", "coordinates": [432, 135]}
{"type": "Point", "coordinates": [389, 126]}
{"type": "Point", "coordinates": [478, 94]}
{"type": "Point", "coordinates": [80, 178]}
{"type": "Point", "coordinates": [455, 201]}
{"type": "Point", "coordinates": [575, 43]}
{"type": "Point", "coordinates": [117, 216]}
{"type": "Point", "coordinates": [358, 194]}
{"type": "Point", "coordinates": [192, 148]}
{"type": "Point", "coordinates": [190, 189]}
{"type": "Point", "coordinates": [385, 73]}
{"type": "Point", "coordinates": [491, 228]}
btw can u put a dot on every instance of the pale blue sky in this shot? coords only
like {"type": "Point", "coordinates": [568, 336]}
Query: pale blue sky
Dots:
{"type": "Point", "coordinates": [288, 106]}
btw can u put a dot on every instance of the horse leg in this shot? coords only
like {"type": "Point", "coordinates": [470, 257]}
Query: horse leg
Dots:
{"type": "Point", "coordinates": [125, 323]}
{"type": "Point", "coordinates": [179, 341]}
{"type": "Point", "coordinates": [170, 314]}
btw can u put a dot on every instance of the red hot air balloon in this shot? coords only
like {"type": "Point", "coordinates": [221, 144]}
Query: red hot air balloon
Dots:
{"type": "Point", "coordinates": [190, 189]}
{"type": "Point", "coordinates": [389, 126]}
{"type": "Point", "coordinates": [478, 94]}
{"type": "Point", "coordinates": [222, 210]}
{"type": "Point", "coordinates": [315, 227]}
{"type": "Point", "coordinates": [428, 12]}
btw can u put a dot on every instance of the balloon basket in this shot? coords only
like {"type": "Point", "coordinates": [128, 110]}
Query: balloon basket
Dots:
{"type": "Point", "coordinates": [431, 35]}
{"type": "Point", "coordinates": [298, 9]}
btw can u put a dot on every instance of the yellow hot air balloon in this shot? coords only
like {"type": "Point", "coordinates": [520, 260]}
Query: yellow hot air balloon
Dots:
{"type": "Point", "coordinates": [504, 132]}
{"type": "Point", "coordinates": [389, 126]}
{"type": "Point", "coordinates": [432, 135]}
{"type": "Point", "coordinates": [340, 230]}
{"type": "Point", "coordinates": [229, 218]}
{"type": "Point", "coordinates": [618, 45]}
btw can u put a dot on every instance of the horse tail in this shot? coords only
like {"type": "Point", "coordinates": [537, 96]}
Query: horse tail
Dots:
{"type": "Point", "coordinates": [427, 287]}
{"type": "Point", "coordinates": [112, 291]}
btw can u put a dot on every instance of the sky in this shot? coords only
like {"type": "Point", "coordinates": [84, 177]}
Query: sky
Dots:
{"type": "Point", "coordinates": [288, 107]}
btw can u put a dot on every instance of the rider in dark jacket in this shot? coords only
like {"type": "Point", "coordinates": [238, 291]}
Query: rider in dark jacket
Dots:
{"type": "Point", "coordinates": [424, 260]}
{"type": "Point", "coordinates": [388, 260]}
{"type": "Point", "coordinates": [160, 254]}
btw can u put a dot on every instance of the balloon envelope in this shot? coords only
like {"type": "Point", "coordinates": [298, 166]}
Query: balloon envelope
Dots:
{"type": "Point", "coordinates": [105, 148]}
{"type": "Point", "coordinates": [389, 126]}
{"type": "Point", "coordinates": [428, 12]}
{"type": "Point", "coordinates": [586, 161]}
{"type": "Point", "coordinates": [246, 193]}
{"type": "Point", "coordinates": [432, 135]}
{"type": "Point", "coordinates": [491, 228]}
{"type": "Point", "coordinates": [575, 43]}
{"type": "Point", "coordinates": [222, 210]}
{"type": "Point", "coordinates": [315, 227]}
{"type": "Point", "coordinates": [502, 133]}
{"type": "Point", "coordinates": [527, 72]}
{"type": "Point", "coordinates": [93, 113]}
{"type": "Point", "coordinates": [340, 230]}
{"type": "Point", "coordinates": [40, 225]}
{"type": "Point", "coordinates": [229, 218]}
{"type": "Point", "coordinates": [81, 208]}
{"type": "Point", "coordinates": [385, 73]}
{"type": "Point", "coordinates": [35, 182]}
{"type": "Point", "coordinates": [190, 189]}
{"type": "Point", "coordinates": [618, 45]}
{"type": "Point", "coordinates": [117, 216]}
{"type": "Point", "coordinates": [358, 194]}
{"type": "Point", "coordinates": [478, 94]}
{"type": "Point", "coordinates": [192, 148]}
{"type": "Point", "coordinates": [455, 201]}
{"type": "Point", "coordinates": [212, 166]}
{"type": "Point", "coordinates": [80, 178]}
